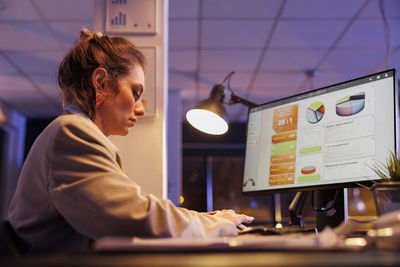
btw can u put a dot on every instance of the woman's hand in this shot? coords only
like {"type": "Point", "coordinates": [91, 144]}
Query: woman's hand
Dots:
{"type": "Point", "coordinates": [230, 215]}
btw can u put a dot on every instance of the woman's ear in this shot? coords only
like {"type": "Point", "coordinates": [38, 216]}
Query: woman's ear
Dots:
{"type": "Point", "coordinates": [99, 77]}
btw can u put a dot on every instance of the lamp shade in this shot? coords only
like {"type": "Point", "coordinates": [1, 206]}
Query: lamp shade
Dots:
{"type": "Point", "coordinates": [209, 115]}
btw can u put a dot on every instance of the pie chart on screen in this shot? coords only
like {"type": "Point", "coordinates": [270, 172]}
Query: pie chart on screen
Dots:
{"type": "Point", "coordinates": [350, 105]}
{"type": "Point", "coordinates": [315, 112]}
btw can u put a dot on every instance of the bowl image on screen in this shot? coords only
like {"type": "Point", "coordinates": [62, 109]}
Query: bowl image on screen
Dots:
{"type": "Point", "coordinates": [315, 112]}
{"type": "Point", "coordinates": [308, 169]}
{"type": "Point", "coordinates": [350, 105]}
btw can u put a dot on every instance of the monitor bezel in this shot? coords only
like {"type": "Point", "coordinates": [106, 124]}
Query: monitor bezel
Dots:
{"type": "Point", "coordinates": [367, 183]}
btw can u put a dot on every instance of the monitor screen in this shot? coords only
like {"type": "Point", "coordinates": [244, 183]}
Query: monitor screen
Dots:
{"type": "Point", "coordinates": [325, 138]}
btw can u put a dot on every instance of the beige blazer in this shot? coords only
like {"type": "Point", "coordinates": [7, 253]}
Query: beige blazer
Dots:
{"type": "Point", "coordinates": [72, 190]}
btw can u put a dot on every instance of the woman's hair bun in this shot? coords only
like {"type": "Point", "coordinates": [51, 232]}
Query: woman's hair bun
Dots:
{"type": "Point", "coordinates": [86, 34]}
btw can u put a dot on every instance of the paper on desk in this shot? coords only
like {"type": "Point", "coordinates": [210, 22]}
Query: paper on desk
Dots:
{"type": "Point", "coordinates": [327, 239]}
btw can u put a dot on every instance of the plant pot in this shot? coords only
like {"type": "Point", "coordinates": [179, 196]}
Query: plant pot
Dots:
{"type": "Point", "coordinates": [386, 196]}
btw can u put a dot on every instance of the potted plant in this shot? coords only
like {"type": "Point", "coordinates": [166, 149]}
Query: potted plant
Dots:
{"type": "Point", "coordinates": [387, 190]}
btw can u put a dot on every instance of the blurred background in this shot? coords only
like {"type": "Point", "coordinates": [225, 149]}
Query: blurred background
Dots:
{"type": "Point", "coordinates": [277, 47]}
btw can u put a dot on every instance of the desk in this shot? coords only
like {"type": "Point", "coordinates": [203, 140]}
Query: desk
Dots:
{"type": "Point", "coordinates": [214, 259]}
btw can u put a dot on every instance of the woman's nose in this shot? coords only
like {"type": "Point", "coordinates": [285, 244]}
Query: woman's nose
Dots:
{"type": "Point", "coordinates": [139, 108]}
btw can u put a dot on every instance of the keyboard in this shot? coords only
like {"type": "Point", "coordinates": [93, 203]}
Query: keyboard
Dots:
{"type": "Point", "coordinates": [268, 230]}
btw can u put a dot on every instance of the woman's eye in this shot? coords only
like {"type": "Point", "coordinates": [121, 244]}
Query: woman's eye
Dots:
{"type": "Point", "coordinates": [137, 92]}
{"type": "Point", "coordinates": [136, 95]}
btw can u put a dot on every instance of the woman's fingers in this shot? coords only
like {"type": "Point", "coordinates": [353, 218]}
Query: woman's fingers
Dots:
{"type": "Point", "coordinates": [248, 219]}
{"type": "Point", "coordinates": [237, 219]}
{"type": "Point", "coordinates": [241, 226]}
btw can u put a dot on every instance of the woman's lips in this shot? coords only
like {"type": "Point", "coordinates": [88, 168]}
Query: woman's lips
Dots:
{"type": "Point", "coordinates": [132, 122]}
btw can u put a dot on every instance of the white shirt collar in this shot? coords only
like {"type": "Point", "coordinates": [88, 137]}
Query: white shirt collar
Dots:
{"type": "Point", "coordinates": [75, 110]}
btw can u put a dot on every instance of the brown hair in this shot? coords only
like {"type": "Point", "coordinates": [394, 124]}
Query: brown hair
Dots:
{"type": "Point", "coordinates": [92, 50]}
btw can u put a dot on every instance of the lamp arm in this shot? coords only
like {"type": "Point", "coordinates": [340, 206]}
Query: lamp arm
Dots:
{"type": "Point", "coordinates": [237, 99]}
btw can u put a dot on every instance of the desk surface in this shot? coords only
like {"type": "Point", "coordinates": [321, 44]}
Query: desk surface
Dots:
{"type": "Point", "coordinates": [214, 259]}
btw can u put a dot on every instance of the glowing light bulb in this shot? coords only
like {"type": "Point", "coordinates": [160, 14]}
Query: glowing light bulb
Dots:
{"type": "Point", "coordinates": [207, 121]}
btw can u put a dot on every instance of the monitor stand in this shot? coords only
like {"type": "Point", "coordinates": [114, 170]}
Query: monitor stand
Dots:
{"type": "Point", "coordinates": [322, 201]}
{"type": "Point", "coordinates": [296, 208]}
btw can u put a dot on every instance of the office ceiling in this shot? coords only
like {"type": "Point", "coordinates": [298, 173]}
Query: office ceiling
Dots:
{"type": "Point", "coordinates": [272, 45]}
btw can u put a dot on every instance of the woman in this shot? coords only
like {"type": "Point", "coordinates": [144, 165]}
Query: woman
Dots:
{"type": "Point", "coordinates": [72, 189]}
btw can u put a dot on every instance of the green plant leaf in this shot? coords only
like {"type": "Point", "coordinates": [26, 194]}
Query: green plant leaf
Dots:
{"type": "Point", "coordinates": [390, 171]}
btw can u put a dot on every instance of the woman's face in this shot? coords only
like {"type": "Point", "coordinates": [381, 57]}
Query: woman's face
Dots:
{"type": "Point", "coordinates": [119, 111]}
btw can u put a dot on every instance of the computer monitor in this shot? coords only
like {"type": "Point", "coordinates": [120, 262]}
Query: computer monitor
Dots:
{"type": "Point", "coordinates": [322, 139]}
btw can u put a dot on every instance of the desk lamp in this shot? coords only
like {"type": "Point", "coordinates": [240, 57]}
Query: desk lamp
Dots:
{"type": "Point", "coordinates": [209, 115]}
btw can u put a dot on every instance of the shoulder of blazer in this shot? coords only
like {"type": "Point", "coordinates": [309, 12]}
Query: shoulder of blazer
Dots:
{"type": "Point", "coordinates": [75, 124]}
